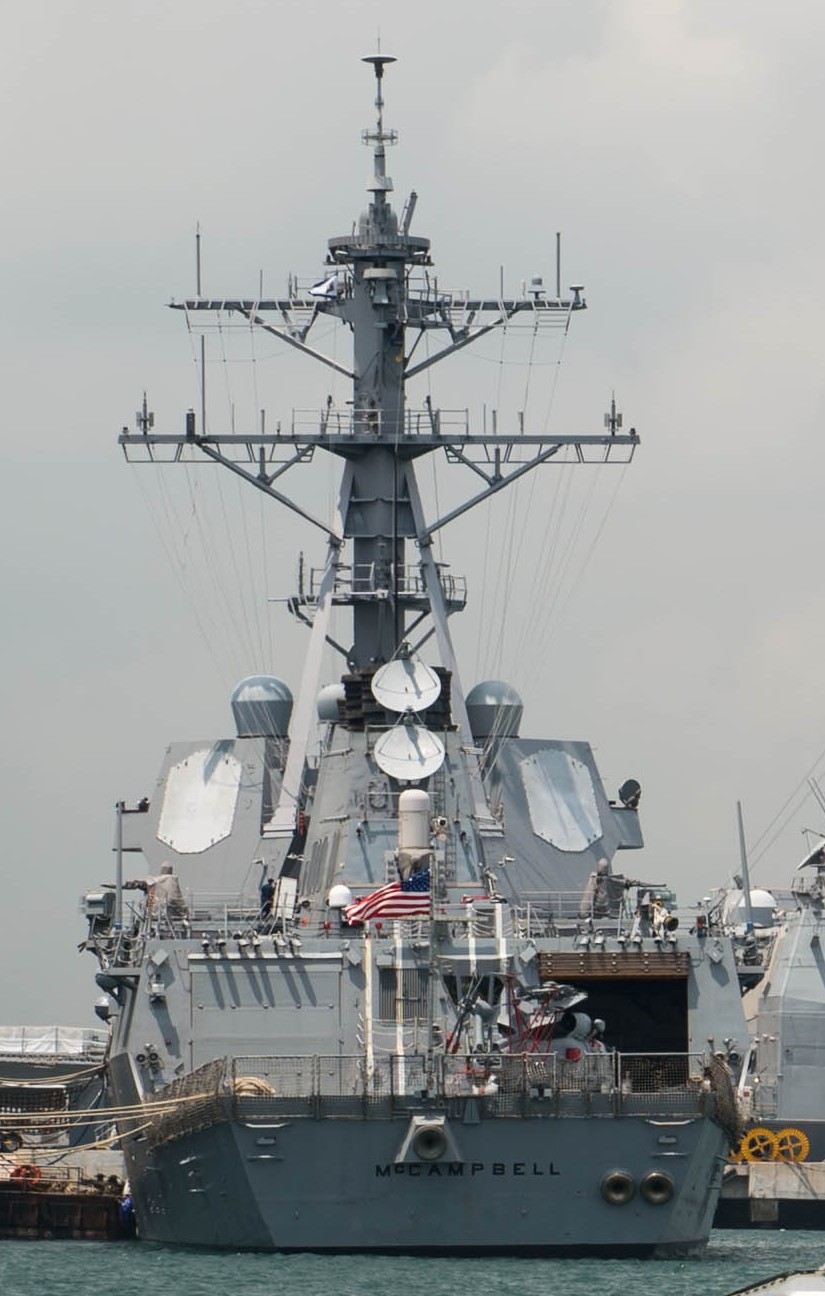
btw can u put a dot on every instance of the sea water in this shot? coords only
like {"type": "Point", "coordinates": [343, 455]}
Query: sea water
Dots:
{"type": "Point", "coordinates": [733, 1260]}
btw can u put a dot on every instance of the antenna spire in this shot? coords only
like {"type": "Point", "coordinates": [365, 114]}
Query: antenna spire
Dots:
{"type": "Point", "coordinates": [613, 420]}
{"type": "Point", "coordinates": [381, 183]}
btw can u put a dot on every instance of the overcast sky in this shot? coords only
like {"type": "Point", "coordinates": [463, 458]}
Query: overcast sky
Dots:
{"type": "Point", "coordinates": [677, 146]}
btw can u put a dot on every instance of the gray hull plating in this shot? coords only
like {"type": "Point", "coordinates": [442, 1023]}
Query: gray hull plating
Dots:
{"type": "Point", "coordinates": [523, 1185]}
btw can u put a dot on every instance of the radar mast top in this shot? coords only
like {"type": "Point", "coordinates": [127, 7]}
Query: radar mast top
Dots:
{"type": "Point", "coordinates": [381, 183]}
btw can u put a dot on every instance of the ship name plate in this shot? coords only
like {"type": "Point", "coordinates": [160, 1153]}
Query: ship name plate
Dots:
{"type": "Point", "coordinates": [468, 1169]}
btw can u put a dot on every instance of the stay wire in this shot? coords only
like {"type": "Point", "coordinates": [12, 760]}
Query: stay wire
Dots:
{"type": "Point", "coordinates": [525, 513]}
{"type": "Point", "coordinates": [484, 641]}
{"type": "Point", "coordinates": [177, 569]}
{"type": "Point", "coordinates": [264, 647]}
{"type": "Point", "coordinates": [240, 582]}
{"type": "Point", "coordinates": [207, 560]}
{"type": "Point", "coordinates": [764, 841]}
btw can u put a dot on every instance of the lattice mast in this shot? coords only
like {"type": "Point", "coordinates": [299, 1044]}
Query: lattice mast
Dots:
{"type": "Point", "coordinates": [379, 286]}
{"type": "Point", "coordinates": [376, 260]}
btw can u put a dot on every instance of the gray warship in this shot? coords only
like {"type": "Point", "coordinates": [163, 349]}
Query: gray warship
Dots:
{"type": "Point", "coordinates": [384, 989]}
{"type": "Point", "coordinates": [780, 1179]}
{"type": "Point", "coordinates": [784, 1010]}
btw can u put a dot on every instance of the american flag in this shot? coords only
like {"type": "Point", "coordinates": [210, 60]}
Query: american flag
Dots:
{"type": "Point", "coordinates": [409, 899]}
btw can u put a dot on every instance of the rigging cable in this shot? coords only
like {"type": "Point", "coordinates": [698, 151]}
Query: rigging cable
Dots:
{"type": "Point", "coordinates": [761, 845]}
{"type": "Point", "coordinates": [526, 513]}
{"type": "Point", "coordinates": [240, 588]}
{"type": "Point", "coordinates": [205, 562]}
{"type": "Point", "coordinates": [484, 664]}
{"type": "Point", "coordinates": [555, 601]}
{"type": "Point", "coordinates": [565, 602]}
{"type": "Point", "coordinates": [263, 646]}
{"type": "Point", "coordinates": [177, 568]}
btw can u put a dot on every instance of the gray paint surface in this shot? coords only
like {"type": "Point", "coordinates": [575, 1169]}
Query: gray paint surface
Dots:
{"type": "Point", "coordinates": [279, 1072]}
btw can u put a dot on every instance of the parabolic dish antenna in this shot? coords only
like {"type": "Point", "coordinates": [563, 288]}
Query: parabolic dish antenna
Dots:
{"type": "Point", "coordinates": [408, 752]}
{"type": "Point", "coordinates": [405, 684]}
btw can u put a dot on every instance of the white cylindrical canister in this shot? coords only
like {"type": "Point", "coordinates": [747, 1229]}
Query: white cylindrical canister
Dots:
{"type": "Point", "coordinates": [413, 820]}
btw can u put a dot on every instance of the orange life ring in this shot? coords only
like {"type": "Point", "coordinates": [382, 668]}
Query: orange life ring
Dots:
{"type": "Point", "coordinates": [31, 1173]}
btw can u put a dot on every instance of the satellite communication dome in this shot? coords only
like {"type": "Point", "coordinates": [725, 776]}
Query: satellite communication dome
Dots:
{"type": "Point", "coordinates": [763, 905]}
{"type": "Point", "coordinates": [262, 707]}
{"type": "Point", "coordinates": [327, 703]}
{"type": "Point", "coordinates": [339, 896]}
{"type": "Point", "coordinates": [494, 710]}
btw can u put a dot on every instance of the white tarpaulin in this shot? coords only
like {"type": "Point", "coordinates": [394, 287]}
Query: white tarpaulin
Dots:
{"type": "Point", "coordinates": [51, 1041]}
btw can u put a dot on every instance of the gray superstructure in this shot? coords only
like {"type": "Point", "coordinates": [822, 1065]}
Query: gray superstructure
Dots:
{"type": "Point", "coordinates": [780, 1180]}
{"type": "Point", "coordinates": [425, 1078]}
{"type": "Point", "coordinates": [785, 1011]}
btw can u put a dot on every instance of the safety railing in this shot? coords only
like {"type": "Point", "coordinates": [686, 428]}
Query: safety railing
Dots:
{"type": "Point", "coordinates": [538, 909]}
{"type": "Point", "coordinates": [347, 422]}
{"type": "Point", "coordinates": [216, 914]}
{"type": "Point", "coordinates": [608, 1084]}
{"type": "Point", "coordinates": [471, 914]}
{"type": "Point", "coordinates": [75, 1181]}
{"type": "Point", "coordinates": [366, 580]}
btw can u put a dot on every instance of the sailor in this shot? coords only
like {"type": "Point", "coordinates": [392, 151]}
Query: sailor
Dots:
{"type": "Point", "coordinates": [601, 1069]}
{"type": "Point", "coordinates": [163, 894]}
{"type": "Point", "coordinates": [660, 918]}
{"type": "Point", "coordinates": [267, 895]}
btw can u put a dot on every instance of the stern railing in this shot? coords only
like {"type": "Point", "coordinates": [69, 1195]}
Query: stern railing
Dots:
{"type": "Point", "coordinates": [665, 1084]}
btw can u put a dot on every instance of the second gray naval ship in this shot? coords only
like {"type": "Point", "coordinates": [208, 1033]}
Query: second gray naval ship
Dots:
{"type": "Point", "coordinates": [386, 990]}
{"type": "Point", "coordinates": [780, 1179]}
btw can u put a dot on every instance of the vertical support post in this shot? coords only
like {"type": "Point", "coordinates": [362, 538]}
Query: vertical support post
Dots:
{"type": "Point", "coordinates": [438, 611]}
{"type": "Point", "coordinates": [743, 855]}
{"type": "Point", "coordinates": [203, 339]}
{"type": "Point", "coordinates": [284, 819]}
{"type": "Point", "coordinates": [120, 808]}
{"type": "Point", "coordinates": [436, 883]}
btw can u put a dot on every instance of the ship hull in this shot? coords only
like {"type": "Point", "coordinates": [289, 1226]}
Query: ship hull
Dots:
{"type": "Point", "coordinates": [506, 1185]}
